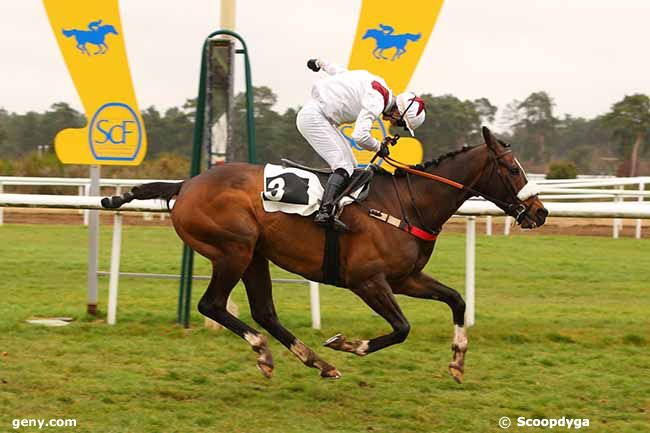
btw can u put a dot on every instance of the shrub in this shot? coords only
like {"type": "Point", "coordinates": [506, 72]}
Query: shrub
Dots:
{"type": "Point", "coordinates": [562, 170]}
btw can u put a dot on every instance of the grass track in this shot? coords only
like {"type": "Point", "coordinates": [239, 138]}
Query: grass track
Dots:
{"type": "Point", "coordinates": [562, 330]}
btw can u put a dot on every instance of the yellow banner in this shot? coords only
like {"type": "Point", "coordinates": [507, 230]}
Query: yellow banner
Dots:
{"type": "Point", "coordinates": [91, 39]}
{"type": "Point", "coordinates": [389, 42]}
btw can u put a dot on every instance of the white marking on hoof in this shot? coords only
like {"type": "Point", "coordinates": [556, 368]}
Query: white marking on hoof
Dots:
{"type": "Point", "coordinates": [362, 350]}
{"type": "Point", "coordinates": [299, 349]}
{"type": "Point", "coordinates": [460, 337]}
{"type": "Point", "coordinates": [255, 340]}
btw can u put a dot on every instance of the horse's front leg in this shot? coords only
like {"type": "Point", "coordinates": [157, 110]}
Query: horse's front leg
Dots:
{"type": "Point", "coordinates": [424, 287]}
{"type": "Point", "coordinates": [378, 295]}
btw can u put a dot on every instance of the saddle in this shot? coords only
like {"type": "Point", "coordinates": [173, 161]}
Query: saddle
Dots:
{"type": "Point", "coordinates": [360, 178]}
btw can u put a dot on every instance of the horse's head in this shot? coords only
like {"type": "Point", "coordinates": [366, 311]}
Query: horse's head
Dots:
{"type": "Point", "coordinates": [505, 181]}
{"type": "Point", "coordinates": [107, 29]}
{"type": "Point", "coordinates": [372, 33]}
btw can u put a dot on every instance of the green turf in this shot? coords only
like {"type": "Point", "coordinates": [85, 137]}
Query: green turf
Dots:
{"type": "Point", "coordinates": [562, 330]}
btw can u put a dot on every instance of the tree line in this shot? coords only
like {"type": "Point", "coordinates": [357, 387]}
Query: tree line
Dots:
{"type": "Point", "coordinates": [615, 142]}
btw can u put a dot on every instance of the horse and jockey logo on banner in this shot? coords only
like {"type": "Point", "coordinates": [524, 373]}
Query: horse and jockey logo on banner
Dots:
{"type": "Point", "coordinates": [385, 39]}
{"type": "Point", "coordinates": [95, 35]}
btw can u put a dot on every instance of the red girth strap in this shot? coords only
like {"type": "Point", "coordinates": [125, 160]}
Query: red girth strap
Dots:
{"type": "Point", "coordinates": [396, 222]}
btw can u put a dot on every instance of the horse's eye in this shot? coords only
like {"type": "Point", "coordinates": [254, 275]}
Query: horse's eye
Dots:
{"type": "Point", "coordinates": [514, 171]}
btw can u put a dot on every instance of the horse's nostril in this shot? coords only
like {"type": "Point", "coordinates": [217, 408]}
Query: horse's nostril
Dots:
{"type": "Point", "coordinates": [542, 212]}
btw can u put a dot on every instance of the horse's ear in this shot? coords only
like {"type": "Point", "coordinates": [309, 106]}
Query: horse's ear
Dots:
{"type": "Point", "coordinates": [490, 139]}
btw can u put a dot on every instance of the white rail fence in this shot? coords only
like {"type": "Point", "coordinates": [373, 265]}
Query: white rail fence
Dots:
{"type": "Point", "coordinates": [582, 188]}
{"type": "Point", "coordinates": [471, 209]}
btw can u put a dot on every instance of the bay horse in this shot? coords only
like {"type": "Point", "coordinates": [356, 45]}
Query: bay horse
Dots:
{"type": "Point", "coordinates": [220, 215]}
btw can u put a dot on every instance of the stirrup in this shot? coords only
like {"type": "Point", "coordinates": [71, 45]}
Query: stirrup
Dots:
{"type": "Point", "coordinates": [326, 220]}
{"type": "Point", "coordinates": [339, 225]}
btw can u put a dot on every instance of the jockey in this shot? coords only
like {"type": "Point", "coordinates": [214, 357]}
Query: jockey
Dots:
{"type": "Point", "coordinates": [93, 26]}
{"type": "Point", "coordinates": [344, 97]}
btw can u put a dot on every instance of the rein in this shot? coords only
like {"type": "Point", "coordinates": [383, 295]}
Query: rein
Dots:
{"type": "Point", "coordinates": [516, 211]}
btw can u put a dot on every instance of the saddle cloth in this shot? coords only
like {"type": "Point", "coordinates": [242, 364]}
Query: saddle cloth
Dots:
{"type": "Point", "coordinates": [298, 191]}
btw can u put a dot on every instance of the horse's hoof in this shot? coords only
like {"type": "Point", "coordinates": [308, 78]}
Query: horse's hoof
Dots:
{"type": "Point", "coordinates": [266, 369]}
{"type": "Point", "coordinates": [457, 372]}
{"type": "Point", "coordinates": [331, 373]}
{"type": "Point", "coordinates": [335, 342]}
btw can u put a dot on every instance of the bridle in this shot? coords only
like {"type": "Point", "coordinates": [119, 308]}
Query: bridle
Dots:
{"type": "Point", "coordinates": [517, 210]}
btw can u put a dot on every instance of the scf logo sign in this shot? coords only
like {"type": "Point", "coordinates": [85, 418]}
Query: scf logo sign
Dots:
{"type": "Point", "coordinates": [115, 133]}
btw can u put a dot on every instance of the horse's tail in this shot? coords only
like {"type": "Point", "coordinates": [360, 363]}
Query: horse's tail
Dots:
{"type": "Point", "coordinates": [413, 36]}
{"type": "Point", "coordinates": [164, 190]}
{"type": "Point", "coordinates": [69, 33]}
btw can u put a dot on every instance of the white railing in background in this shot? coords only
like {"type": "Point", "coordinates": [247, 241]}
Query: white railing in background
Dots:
{"type": "Point", "coordinates": [471, 209]}
{"type": "Point", "coordinates": [82, 183]}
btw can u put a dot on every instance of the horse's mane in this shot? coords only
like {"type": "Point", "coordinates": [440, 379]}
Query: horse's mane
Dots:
{"type": "Point", "coordinates": [432, 163]}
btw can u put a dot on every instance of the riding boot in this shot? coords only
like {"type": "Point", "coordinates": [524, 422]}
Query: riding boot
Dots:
{"type": "Point", "coordinates": [326, 213]}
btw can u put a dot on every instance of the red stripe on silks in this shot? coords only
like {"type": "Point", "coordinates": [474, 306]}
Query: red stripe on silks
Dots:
{"type": "Point", "coordinates": [420, 103]}
{"type": "Point", "coordinates": [381, 89]}
{"type": "Point", "coordinates": [422, 234]}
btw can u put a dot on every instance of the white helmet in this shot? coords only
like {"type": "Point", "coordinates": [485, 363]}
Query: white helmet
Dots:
{"type": "Point", "coordinates": [411, 108]}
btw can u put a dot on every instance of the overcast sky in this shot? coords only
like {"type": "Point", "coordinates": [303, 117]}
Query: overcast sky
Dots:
{"type": "Point", "coordinates": [587, 54]}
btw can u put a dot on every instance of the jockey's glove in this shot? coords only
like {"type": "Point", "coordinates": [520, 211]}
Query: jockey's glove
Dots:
{"type": "Point", "coordinates": [313, 65]}
{"type": "Point", "coordinates": [383, 149]}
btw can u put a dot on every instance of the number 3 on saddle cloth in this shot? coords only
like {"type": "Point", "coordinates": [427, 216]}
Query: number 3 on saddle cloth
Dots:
{"type": "Point", "coordinates": [299, 189]}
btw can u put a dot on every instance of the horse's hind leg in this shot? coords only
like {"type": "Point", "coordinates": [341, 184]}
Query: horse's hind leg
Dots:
{"type": "Point", "coordinates": [257, 280]}
{"type": "Point", "coordinates": [227, 270]}
{"type": "Point", "coordinates": [378, 295]}
{"type": "Point", "coordinates": [424, 287]}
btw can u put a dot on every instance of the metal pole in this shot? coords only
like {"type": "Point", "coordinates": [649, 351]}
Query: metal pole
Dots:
{"type": "Point", "coordinates": [470, 263]}
{"type": "Point", "coordinates": [181, 287]}
{"type": "Point", "coordinates": [314, 299]}
{"type": "Point", "coordinates": [637, 232]}
{"type": "Point", "coordinates": [85, 211]}
{"type": "Point", "coordinates": [114, 278]}
{"type": "Point", "coordinates": [93, 243]}
{"type": "Point", "coordinates": [188, 289]}
{"type": "Point", "coordinates": [228, 14]}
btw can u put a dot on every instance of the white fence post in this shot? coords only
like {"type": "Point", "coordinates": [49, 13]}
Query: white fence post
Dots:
{"type": "Point", "coordinates": [488, 225]}
{"type": "Point", "coordinates": [637, 232]}
{"type": "Point", "coordinates": [2, 215]}
{"type": "Point", "coordinates": [314, 298]}
{"type": "Point", "coordinates": [617, 225]}
{"type": "Point", "coordinates": [506, 227]}
{"type": "Point", "coordinates": [114, 278]}
{"type": "Point", "coordinates": [470, 263]}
